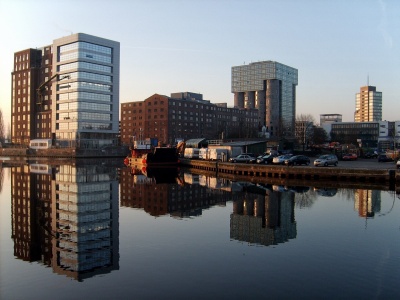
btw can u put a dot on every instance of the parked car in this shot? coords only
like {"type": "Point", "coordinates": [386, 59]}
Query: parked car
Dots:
{"type": "Point", "coordinates": [384, 158]}
{"type": "Point", "coordinates": [398, 164]}
{"type": "Point", "coordinates": [326, 160]}
{"type": "Point", "coordinates": [280, 160]}
{"type": "Point", "coordinates": [350, 156]}
{"type": "Point", "coordinates": [370, 155]}
{"type": "Point", "coordinates": [242, 158]}
{"type": "Point", "coordinates": [297, 160]}
{"type": "Point", "coordinates": [266, 159]}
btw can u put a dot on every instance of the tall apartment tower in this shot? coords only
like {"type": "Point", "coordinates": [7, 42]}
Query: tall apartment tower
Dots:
{"type": "Point", "coordinates": [368, 105]}
{"type": "Point", "coordinates": [67, 92]}
{"type": "Point", "coordinates": [270, 87]}
{"type": "Point", "coordinates": [31, 118]}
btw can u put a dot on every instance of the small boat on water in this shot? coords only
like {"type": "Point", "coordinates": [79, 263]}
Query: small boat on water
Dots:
{"type": "Point", "coordinates": [144, 153]}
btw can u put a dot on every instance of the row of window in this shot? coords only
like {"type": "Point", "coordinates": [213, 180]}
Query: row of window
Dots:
{"type": "Point", "coordinates": [22, 57]}
{"type": "Point", "coordinates": [87, 198]}
{"type": "Point", "coordinates": [85, 85]}
{"type": "Point", "coordinates": [90, 76]}
{"type": "Point", "coordinates": [83, 116]}
{"type": "Point", "coordinates": [84, 96]}
{"type": "Point", "coordinates": [90, 207]}
{"type": "Point", "coordinates": [21, 66]}
{"type": "Point", "coordinates": [87, 46]}
{"type": "Point", "coordinates": [81, 188]}
{"type": "Point", "coordinates": [83, 126]}
{"type": "Point", "coordinates": [83, 218]}
{"type": "Point", "coordinates": [85, 55]}
{"type": "Point", "coordinates": [84, 65]}
{"type": "Point", "coordinates": [83, 105]}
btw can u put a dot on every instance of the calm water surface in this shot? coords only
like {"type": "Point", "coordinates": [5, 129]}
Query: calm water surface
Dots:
{"type": "Point", "coordinates": [93, 230]}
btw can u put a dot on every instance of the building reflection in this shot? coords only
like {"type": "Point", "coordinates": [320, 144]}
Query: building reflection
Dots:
{"type": "Point", "coordinates": [66, 216]}
{"type": "Point", "coordinates": [261, 215]}
{"type": "Point", "coordinates": [367, 202]}
{"type": "Point", "coordinates": [31, 213]}
{"type": "Point", "coordinates": [264, 216]}
{"type": "Point", "coordinates": [171, 192]}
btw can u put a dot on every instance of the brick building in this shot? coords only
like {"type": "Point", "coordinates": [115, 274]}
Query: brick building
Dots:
{"type": "Point", "coordinates": [184, 116]}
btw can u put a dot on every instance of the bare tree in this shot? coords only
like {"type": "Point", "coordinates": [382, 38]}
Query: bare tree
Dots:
{"type": "Point", "coordinates": [304, 129]}
{"type": "Point", "coordinates": [2, 130]}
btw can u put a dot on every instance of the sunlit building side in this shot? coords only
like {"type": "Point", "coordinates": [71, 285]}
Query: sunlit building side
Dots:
{"type": "Point", "coordinates": [368, 105]}
{"type": "Point", "coordinates": [184, 116]}
{"type": "Point", "coordinates": [68, 92]}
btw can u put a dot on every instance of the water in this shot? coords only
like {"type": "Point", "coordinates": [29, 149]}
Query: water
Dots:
{"type": "Point", "coordinates": [95, 230]}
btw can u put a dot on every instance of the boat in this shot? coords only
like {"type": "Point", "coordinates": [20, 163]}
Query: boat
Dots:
{"type": "Point", "coordinates": [144, 153]}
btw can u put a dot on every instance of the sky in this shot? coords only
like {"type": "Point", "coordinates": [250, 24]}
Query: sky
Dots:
{"type": "Point", "coordinates": [172, 46]}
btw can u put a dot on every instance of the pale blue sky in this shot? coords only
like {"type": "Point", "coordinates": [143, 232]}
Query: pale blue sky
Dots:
{"type": "Point", "coordinates": [176, 46]}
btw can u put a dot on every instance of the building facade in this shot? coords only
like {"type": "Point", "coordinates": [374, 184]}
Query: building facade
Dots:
{"type": "Point", "coordinates": [368, 105]}
{"type": "Point", "coordinates": [31, 117]}
{"type": "Point", "coordinates": [326, 121]}
{"type": "Point", "coordinates": [68, 92]}
{"type": "Point", "coordinates": [183, 116]}
{"type": "Point", "coordinates": [270, 87]}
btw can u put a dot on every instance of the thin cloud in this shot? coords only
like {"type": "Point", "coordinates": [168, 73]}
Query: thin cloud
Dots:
{"type": "Point", "coordinates": [168, 49]}
{"type": "Point", "coordinates": [383, 26]}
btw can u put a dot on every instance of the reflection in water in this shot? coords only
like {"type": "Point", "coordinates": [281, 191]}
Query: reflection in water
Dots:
{"type": "Point", "coordinates": [1, 177]}
{"type": "Point", "coordinates": [367, 202]}
{"type": "Point", "coordinates": [66, 216]}
{"type": "Point", "coordinates": [264, 216]}
{"type": "Point", "coordinates": [166, 191]}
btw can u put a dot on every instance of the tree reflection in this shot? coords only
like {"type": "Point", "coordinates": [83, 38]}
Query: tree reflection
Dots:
{"type": "Point", "coordinates": [1, 177]}
{"type": "Point", "coordinates": [305, 200]}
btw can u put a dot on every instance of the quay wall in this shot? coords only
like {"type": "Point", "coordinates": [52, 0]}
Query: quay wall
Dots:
{"type": "Point", "coordinates": [332, 174]}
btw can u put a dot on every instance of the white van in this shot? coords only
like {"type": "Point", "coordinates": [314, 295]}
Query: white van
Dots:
{"type": "Point", "coordinates": [218, 154]}
{"type": "Point", "coordinates": [191, 153]}
{"type": "Point", "coordinates": [203, 153]}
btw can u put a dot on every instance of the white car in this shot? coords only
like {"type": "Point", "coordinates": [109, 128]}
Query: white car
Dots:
{"type": "Point", "coordinates": [280, 160]}
{"type": "Point", "coordinates": [398, 164]}
{"type": "Point", "coordinates": [326, 160]}
{"type": "Point", "coordinates": [242, 158]}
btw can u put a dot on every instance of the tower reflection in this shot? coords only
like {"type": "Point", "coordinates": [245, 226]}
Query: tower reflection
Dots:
{"type": "Point", "coordinates": [264, 216]}
{"type": "Point", "coordinates": [66, 216]}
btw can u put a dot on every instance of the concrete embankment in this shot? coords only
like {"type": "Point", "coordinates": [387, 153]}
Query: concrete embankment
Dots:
{"type": "Point", "coordinates": [303, 174]}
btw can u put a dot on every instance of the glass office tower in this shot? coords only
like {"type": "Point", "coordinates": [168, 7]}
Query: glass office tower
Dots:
{"type": "Point", "coordinates": [270, 87]}
{"type": "Point", "coordinates": [368, 105]}
{"type": "Point", "coordinates": [85, 112]}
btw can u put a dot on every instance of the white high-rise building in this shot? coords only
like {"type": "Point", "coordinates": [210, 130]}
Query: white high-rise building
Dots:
{"type": "Point", "coordinates": [85, 106]}
{"type": "Point", "coordinates": [368, 105]}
